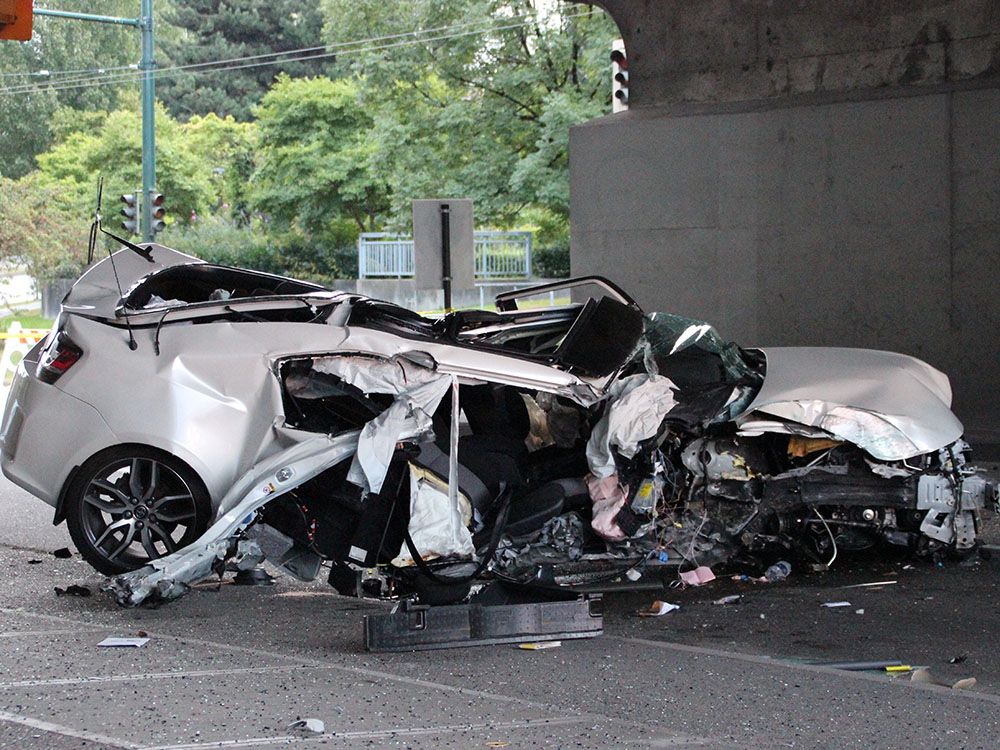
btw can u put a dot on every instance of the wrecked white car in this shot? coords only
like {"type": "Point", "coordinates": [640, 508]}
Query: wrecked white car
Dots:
{"type": "Point", "coordinates": [184, 417]}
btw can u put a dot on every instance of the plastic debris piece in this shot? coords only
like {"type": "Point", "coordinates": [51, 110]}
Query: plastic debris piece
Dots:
{"type": "Point", "coordinates": [254, 577]}
{"type": "Point", "coordinates": [662, 556]}
{"type": "Point", "coordinates": [778, 572]}
{"type": "Point", "coordinates": [899, 668]}
{"type": "Point", "coordinates": [127, 642]}
{"type": "Point", "coordinates": [73, 590]}
{"type": "Point", "coordinates": [731, 599]}
{"type": "Point", "coordinates": [831, 605]}
{"type": "Point", "coordinates": [860, 666]}
{"type": "Point", "coordinates": [868, 585]}
{"type": "Point", "coordinates": [859, 611]}
{"type": "Point", "coordinates": [62, 553]}
{"type": "Point", "coordinates": [658, 609]}
{"type": "Point", "coordinates": [308, 725]}
{"type": "Point", "coordinates": [633, 575]}
{"type": "Point", "coordinates": [923, 675]}
{"type": "Point", "coordinates": [34, 562]}
{"type": "Point", "coordinates": [699, 576]}
{"type": "Point", "coordinates": [958, 659]}
{"type": "Point", "coordinates": [540, 646]}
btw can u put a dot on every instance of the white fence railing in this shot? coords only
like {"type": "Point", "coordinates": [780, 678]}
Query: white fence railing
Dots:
{"type": "Point", "coordinates": [498, 255]}
{"type": "Point", "coordinates": [384, 255]}
{"type": "Point", "coordinates": [502, 255]}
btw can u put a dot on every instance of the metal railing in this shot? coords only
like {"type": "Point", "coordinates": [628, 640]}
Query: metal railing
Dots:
{"type": "Point", "coordinates": [498, 255]}
{"type": "Point", "coordinates": [502, 255]}
{"type": "Point", "coordinates": [381, 254]}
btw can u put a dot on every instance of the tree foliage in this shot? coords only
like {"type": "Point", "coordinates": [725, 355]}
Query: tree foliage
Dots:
{"type": "Point", "coordinates": [227, 29]}
{"type": "Point", "coordinates": [288, 163]}
{"type": "Point", "coordinates": [36, 229]}
{"type": "Point", "coordinates": [316, 160]}
{"type": "Point", "coordinates": [113, 150]}
{"type": "Point", "coordinates": [59, 44]}
{"type": "Point", "coordinates": [483, 108]}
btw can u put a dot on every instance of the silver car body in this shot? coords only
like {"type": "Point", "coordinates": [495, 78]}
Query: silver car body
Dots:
{"type": "Point", "coordinates": [211, 395]}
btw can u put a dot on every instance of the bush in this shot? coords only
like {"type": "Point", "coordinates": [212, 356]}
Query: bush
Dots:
{"type": "Point", "coordinates": [288, 253]}
{"type": "Point", "coordinates": [550, 262]}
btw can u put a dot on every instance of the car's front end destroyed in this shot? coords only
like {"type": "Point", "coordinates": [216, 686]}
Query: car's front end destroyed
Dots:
{"type": "Point", "coordinates": [430, 458]}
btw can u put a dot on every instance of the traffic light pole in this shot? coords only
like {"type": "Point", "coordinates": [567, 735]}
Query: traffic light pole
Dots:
{"type": "Point", "coordinates": [147, 67]}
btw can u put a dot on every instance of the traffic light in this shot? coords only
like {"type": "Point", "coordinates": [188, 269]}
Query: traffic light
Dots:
{"type": "Point", "coordinates": [156, 212]}
{"type": "Point", "coordinates": [619, 76]}
{"type": "Point", "coordinates": [131, 213]}
{"type": "Point", "coordinates": [15, 20]}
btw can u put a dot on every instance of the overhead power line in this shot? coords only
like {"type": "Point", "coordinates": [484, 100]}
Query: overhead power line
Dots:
{"type": "Point", "coordinates": [403, 39]}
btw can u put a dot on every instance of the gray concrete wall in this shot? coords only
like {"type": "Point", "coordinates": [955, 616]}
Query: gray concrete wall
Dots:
{"type": "Point", "coordinates": [740, 50]}
{"type": "Point", "coordinates": [872, 221]}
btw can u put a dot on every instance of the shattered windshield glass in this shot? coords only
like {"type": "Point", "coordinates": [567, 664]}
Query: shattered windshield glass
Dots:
{"type": "Point", "coordinates": [667, 335]}
{"type": "Point", "coordinates": [715, 378]}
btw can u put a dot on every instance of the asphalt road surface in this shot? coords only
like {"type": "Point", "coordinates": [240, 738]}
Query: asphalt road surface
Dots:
{"type": "Point", "coordinates": [232, 667]}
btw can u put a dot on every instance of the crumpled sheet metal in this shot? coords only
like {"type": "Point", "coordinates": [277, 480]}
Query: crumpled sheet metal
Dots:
{"type": "Point", "coordinates": [561, 538]}
{"type": "Point", "coordinates": [170, 577]}
{"type": "Point", "coordinates": [892, 405]}
{"type": "Point", "coordinates": [418, 389]}
{"type": "Point", "coordinates": [636, 407]}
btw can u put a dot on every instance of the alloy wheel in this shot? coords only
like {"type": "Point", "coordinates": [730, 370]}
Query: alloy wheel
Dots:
{"type": "Point", "coordinates": [138, 509]}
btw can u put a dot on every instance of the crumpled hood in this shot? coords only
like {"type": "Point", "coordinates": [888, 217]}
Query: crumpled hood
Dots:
{"type": "Point", "coordinates": [892, 405]}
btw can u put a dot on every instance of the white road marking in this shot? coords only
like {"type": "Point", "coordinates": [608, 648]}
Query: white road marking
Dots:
{"type": "Point", "coordinates": [880, 678]}
{"type": "Point", "coordinates": [39, 633]}
{"type": "Point", "coordinates": [86, 680]}
{"type": "Point", "coordinates": [80, 734]}
{"type": "Point", "coordinates": [381, 675]}
{"type": "Point", "coordinates": [376, 734]}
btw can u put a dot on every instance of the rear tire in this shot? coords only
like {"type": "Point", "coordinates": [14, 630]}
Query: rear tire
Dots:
{"type": "Point", "coordinates": [131, 504]}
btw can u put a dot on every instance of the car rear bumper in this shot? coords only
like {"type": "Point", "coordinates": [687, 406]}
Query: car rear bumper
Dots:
{"type": "Point", "coordinates": [34, 450]}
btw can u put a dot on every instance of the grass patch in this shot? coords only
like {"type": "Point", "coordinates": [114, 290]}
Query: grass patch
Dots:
{"type": "Point", "coordinates": [27, 320]}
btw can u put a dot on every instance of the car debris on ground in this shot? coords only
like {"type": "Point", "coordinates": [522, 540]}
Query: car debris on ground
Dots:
{"type": "Point", "coordinates": [124, 642]}
{"type": "Point", "coordinates": [658, 609]}
{"type": "Point", "coordinates": [565, 450]}
{"type": "Point", "coordinates": [73, 590]}
{"type": "Point", "coordinates": [315, 726]}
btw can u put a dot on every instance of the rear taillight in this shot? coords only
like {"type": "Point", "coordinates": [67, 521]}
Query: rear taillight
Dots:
{"type": "Point", "coordinates": [60, 355]}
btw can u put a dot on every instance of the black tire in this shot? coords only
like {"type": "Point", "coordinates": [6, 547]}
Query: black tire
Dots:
{"type": "Point", "coordinates": [129, 504]}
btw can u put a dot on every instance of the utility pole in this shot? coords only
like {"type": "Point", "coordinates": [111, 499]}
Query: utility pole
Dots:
{"type": "Point", "coordinates": [147, 68]}
{"type": "Point", "coordinates": [147, 65]}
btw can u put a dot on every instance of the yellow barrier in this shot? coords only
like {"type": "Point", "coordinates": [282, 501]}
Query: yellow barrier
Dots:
{"type": "Point", "coordinates": [35, 334]}
{"type": "Point", "coordinates": [17, 342]}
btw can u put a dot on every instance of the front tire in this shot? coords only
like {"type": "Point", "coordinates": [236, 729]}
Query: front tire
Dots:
{"type": "Point", "coordinates": [131, 504]}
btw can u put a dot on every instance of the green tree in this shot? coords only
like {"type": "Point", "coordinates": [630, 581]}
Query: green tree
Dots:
{"type": "Point", "coordinates": [59, 45]}
{"type": "Point", "coordinates": [480, 105]}
{"type": "Point", "coordinates": [226, 29]}
{"type": "Point", "coordinates": [226, 149]}
{"type": "Point", "coordinates": [113, 149]}
{"type": "Point", "coordinates": [316, 159]}
{"type": "Point", "coordinates": [38, 230]}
